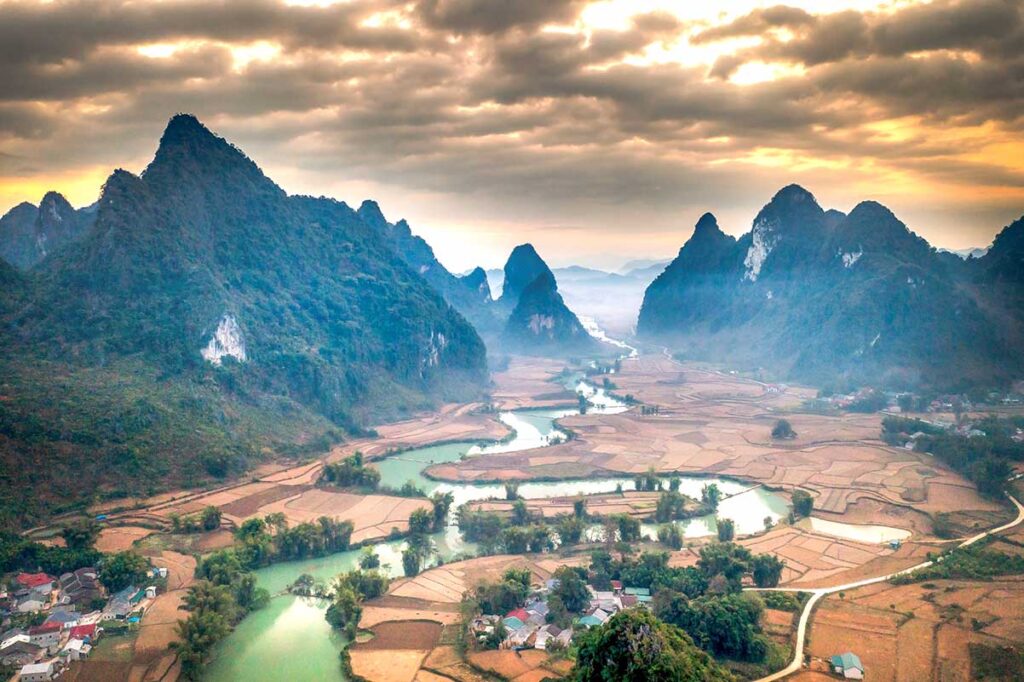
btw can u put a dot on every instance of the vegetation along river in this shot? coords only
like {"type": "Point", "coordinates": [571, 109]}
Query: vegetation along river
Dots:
{"type": "Point", "coordinates": [290, 639]}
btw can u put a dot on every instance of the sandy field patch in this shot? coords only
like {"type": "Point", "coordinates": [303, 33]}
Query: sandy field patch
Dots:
{"type": "Point", "coordinates": [375, 615]}
{"type": "Point", "coordinates": [120, 538]}
{"type": "Point", "coordinates": [405, 634]}
{"type": "Point", "coordinates": [531, 382]}
{"type": "Point", "coordinates": [157, 629]}
{"type": "Point", "coordinates": [386, 665]}
{"type": "Point", "coordinates": [453, 422]}
{"type": "Point", "coordinates": [509, 664]}
{"type": "Point", "coordinates": [919, 631]}
{"type": "Point", "coordinates": [638, 504]}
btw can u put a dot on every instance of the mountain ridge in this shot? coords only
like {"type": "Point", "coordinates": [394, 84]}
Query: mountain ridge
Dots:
{"type": "Point", "coordinates": [812, 295]}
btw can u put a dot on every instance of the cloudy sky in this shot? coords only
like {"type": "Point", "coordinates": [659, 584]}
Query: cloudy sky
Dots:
{"type": "Point", "coordinates": [600, 131]}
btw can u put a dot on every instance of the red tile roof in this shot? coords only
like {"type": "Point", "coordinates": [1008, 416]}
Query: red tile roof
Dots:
{"type": "Point", "coordinates": [33, 579]}
{"type": "Point", "coordinates": [82, 631]}
{"type": "Point", "coordinates": [521, 614]}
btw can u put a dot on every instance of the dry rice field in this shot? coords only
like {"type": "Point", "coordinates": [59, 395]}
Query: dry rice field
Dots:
{"type": "Point", "coordinates": [638, 504]}
{"type": "Point", "coordinates": [713, 423]}
{"type": "Point", "coordinates": [921, 631]}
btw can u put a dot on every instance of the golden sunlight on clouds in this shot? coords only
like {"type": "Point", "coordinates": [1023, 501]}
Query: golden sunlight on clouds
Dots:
{"type": "Point", "coordinates": [542, 117]}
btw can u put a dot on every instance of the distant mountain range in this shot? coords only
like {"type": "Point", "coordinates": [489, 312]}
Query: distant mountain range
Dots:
{"type": "Point", "coordinates": [29, 233]}
{"type": "Point", "coordinates": [611, 299]}
{"type": "Point", "coordinates": [824, 297]}
{"type": "Point", "coordinates": [529, 317]}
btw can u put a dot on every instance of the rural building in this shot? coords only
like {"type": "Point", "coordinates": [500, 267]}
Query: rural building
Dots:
{"type": "Point", "coordinates": [18, 651]}
{"type": "Point", "coordinates": [46, 635]}
{"type": "Point", "coordinates": [848, 665]}
{"type": "Point", "coordinates": [80, 587]}
{"type": "Point", "coordinates": [31, 581]}
{"type": "Point", "coordinates": [76, 649]}
{"type": "Point", "coordinates": [39, 672]}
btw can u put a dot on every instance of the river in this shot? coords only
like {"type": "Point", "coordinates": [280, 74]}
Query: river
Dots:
{"type": "Point", "coordinates": [290, 640]}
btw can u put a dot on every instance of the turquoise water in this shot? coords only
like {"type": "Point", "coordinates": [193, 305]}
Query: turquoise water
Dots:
{"type": "Point", "coordinates": [290, 640]}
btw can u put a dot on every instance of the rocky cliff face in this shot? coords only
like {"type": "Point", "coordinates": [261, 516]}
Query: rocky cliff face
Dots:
{"type": "Point", "coordinates": [540, 322]}
{"type": "Point", "coordinates": [817, 295]}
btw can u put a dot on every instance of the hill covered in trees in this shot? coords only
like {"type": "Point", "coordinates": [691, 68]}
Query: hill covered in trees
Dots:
{"type": "Point", "coordinates": [819, 295]}
{"type": "Point", "coordinates": [205, 319]}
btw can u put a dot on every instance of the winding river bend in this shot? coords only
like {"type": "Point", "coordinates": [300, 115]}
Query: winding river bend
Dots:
{"type": "Point", "coordinates": [290, 639]}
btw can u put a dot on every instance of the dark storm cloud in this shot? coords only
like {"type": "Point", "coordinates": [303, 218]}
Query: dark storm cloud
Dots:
{"type": "Point", "coordinates": [476, 100]}
{"type": "Point", "coordinates": [110, 70]}
{"type": "Point", "coordinates": [756, 23]}
{"type": "Point", "coordinates": [52, 32]}
{"type": "Point", "coordinates": [495, 16]}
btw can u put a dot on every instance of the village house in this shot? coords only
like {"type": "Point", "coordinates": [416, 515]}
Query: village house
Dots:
{"type": "Point", "coordinates": [40, 672]}
{"type": "Point", "coordinates": [31, 581]}
{"type": "Point", "coordinates": [67, 619]}
{"type": "Point", "coordinates": [80, 587]}
{"type": "Point", "coordinates": [89, 633]}
{"type": "Point", "coordinates": [18, 651]}
{"type": "Point", "coordinates": [31, 602]}
{"type": "Point", "coordinates": [76, 650]}
{"type": "Point", "coordinates": [46, 636]}
{"type": "Point", "coordinates": [848, 665]}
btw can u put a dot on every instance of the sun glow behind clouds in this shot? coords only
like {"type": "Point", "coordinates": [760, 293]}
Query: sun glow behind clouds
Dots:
{"type": "Point", "coordinates": [452, 112]}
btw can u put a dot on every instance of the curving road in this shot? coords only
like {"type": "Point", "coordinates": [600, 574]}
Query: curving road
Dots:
{"type": "Point", "coordinates": [817, 593]}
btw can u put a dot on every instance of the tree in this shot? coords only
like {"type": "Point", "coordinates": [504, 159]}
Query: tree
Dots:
{"type": "Point", "coordinates": [570, 529]}
{"type": "Point", "coordinates": [571, 589]}
{"type": "Point", "coordinates": [803, 503]}
{"type": "Point", "coordinates": [628, 527]}
{"type": "Point", "coordinates": [442, 504]}
{"type": "Point", "coordinates": [990, 475]}
{"type": "Point", "coordinates": [722, 625]}
{"type": "Point", "coordinates": [726, 529]}
{"type": "Point", "coordinates": [710, 496]}
{"type": "Point", "coordinates": [511, 491]}
{"type": "Point", "coordinates": [369, 559]}
{"type": "Point", "coordinates": [671, 505]}
{"type": "Point", "coordinates": [80, 535]}
{"type": "Point", "coordinates": [634, 646]}
{"type": "Point", "coordinates": [345, 610]}
{"type": "Point", "coordinates": [783, 430]}
{"type": "Point", "coordinates": [509, 593]}
{"type": "Point", "coordinates": [118, 571]}
{"type": "Point", "coordinates": [220, 567]}
{"type": "Point", "coordinates": [767, 570]}
{"type": "Point", "coordinates": [520, 514]}
{"type": "Point", "coordinates": [195, 639]}
{"type": "Point", "coordinates": [769, 523]}
{"type": "Point", "coordinates": [539, 538]}
{"type": "Point", "coordinates": [516, 540]}
{"type": "Point", "coordinates": [411, 561]}
{"type": "Point", "coordinates": [210, 518]}
{"type": "Point", "coordinates": [579, 507]}
{"type": "Point", "coordinates": [421, 522]}
{"type": "Point", "coordinates": [726, 559]}
{"type": "Point", "coordinates": [670, 535]}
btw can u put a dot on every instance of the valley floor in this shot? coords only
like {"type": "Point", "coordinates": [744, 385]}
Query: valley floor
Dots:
{"type": "Point", "coordinates": [707, 423]}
